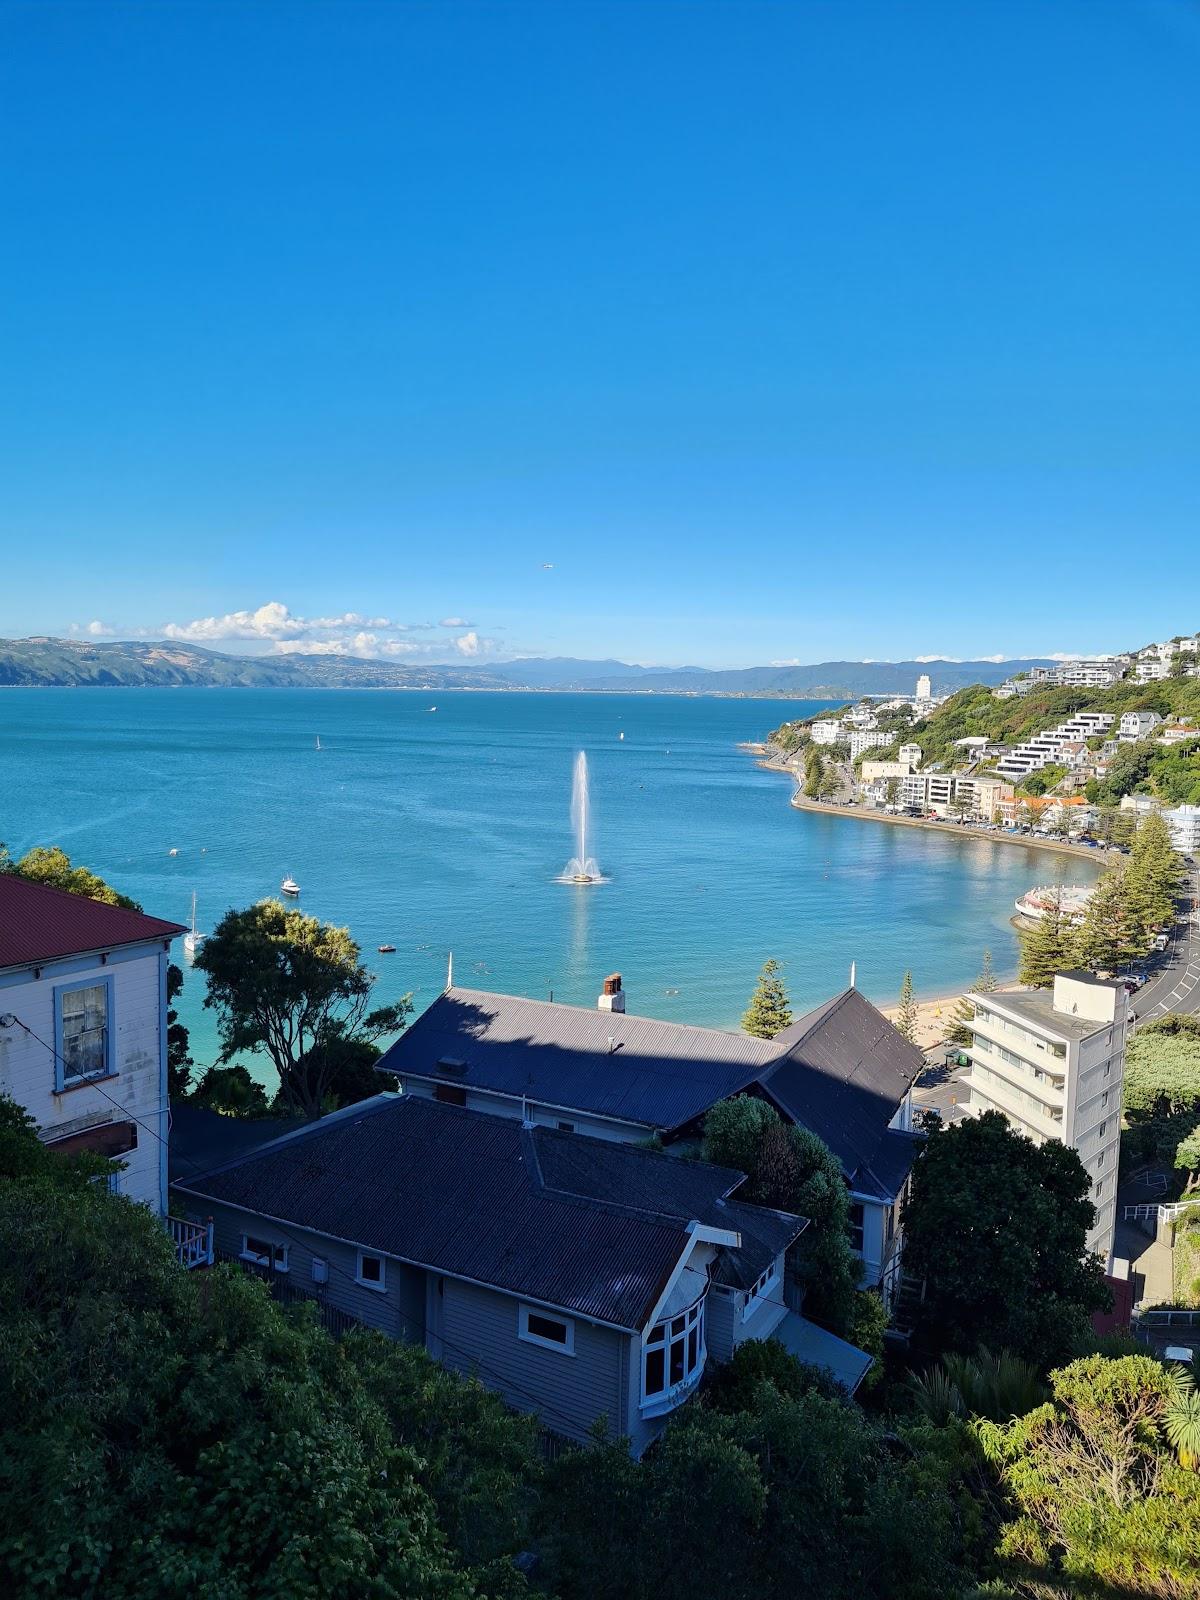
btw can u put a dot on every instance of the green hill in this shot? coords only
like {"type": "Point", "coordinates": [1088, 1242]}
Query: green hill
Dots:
{"type": "Point", "coordinates": [1170, 772]}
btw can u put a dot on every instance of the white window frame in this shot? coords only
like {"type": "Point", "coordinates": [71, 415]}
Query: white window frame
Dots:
{"type": "Point", "coordinates": [378, 1284]}
{"type": "Point", "coordinates": [660, 1339]}
{"type": "Point", "coordinates": [759, 1290]}
{"type": "Point", "coordinates": [277, 1259]}
{"type": "Point", "coordinates": [565, 1348]}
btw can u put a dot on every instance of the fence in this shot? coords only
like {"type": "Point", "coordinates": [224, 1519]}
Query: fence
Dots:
{"type": "Point", "coordinates": [1159, 1213]}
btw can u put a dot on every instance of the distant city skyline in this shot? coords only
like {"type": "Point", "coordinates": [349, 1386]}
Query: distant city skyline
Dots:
{"type": "Point", "coordinates": [681, 334]}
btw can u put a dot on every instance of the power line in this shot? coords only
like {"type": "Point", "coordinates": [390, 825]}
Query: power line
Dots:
{"type": "Point", "coordinates": [418, 1327]}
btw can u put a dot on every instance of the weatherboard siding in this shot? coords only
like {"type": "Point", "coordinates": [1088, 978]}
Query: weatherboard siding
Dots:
{"type": "Point", "coordinates": [397, 1310]}
{"type": "Point", "coordinates": [136, 1090]}
{"type": "Point", "coordinates": [480, 1336]}
{"type": "Point", "coordinates": [499, 1105]}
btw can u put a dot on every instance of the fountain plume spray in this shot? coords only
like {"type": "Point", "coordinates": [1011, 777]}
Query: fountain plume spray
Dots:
{"type": "Point", "coordinates": [582, 867]}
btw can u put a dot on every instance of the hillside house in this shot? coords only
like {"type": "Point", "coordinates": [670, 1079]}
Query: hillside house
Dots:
{"type": "Point", "coordinates": [581, 1278]}
{"type": "Point", "coordinates": [83, 1029]}
{"type": "Point", "coordinates": [843, 1071]}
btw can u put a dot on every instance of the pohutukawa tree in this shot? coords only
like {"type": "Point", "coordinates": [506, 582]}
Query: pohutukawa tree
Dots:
{"type": "Point", "coordinates": [293, 988]}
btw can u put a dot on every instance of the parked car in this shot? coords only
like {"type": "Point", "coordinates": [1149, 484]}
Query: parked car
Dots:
{"type": "Point", "coordinates": [1161, 942]}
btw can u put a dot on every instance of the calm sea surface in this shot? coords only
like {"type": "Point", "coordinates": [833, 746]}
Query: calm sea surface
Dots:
{"type": "Point", "coordinates": [444, 830]}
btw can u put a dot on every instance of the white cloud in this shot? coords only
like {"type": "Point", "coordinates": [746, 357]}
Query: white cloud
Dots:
{"type": "Point", "coordinates": [470, 644]}
{"type": "Point", "coordinates": [793, 661]}
{"type": "Point", "coordinates": [272, 621]}
{"type": "Point", "coordinates": [937, 658]}
{"type": "Point", "coordinates": [455, 622]}
{"type": "Point", "coordinates": [100, 630]}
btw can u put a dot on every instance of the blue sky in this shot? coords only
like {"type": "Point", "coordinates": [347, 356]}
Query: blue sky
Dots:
{"type": "Point", "coordinates": [714, 333]}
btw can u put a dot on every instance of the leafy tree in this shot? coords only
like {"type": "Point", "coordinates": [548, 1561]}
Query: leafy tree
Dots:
{"type": "Point", "coordinates": [232, 1092]}
{"type": "Point", "coordinates": [1187, 1159]}
{"type": "Point", "coordinates": [53, 868]}
{"type": "Point", "coordinates": [906, 1016]}
{"type": "Point", "coordinates": [179, 1055]}
{"type": "Point", "coordinates": [772, 1475]}
{"type": "Point", "coordinates": [790, 1169]}
{"type": "Point", "coordinates": [1162, 1073]}
{"type": "Point", "coordinates": [1101, 1505]}
{"type": "Point", "coordinates": [997, 1226]}
{"type": "Point", "coordinates": [768, 1012]}
{"type": "Point", "coordinates": [295, 989]}
{"type": "Point", "coordinates": [176, 1434]}
{"type": "Point", "coordinates": [1048, 947]}
{"type": "Point", "coordinates": [733, 1131]}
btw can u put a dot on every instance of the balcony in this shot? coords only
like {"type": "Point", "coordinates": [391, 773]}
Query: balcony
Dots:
{"type": "Point", "coordinates": [1038, 1052]}
{"type": "Point", "coordinates": [193, 1241]}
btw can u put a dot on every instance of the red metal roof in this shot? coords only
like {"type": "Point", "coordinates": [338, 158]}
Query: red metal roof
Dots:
{"type": "Point", "coordinates": [39, 924]}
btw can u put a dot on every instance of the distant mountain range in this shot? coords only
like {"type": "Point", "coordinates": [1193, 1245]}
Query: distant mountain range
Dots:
{"type": "Point", "coordinates": [75, 663]}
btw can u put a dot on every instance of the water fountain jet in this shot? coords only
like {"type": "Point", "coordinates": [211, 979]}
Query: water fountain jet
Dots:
{"type": "Point", "coordinates": [582, 867]}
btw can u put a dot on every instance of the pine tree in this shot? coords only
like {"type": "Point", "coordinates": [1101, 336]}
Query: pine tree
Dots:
{"type": "Point", "coordinates": [906, 1017]}
{"type": "Point", "coordinates": [814, 771]}
{"type": "Point", "coordinates": [768, 1011]}
{"type": "Point", "coordinates": [959, 1031]}
{"type": "Point", "coordinates": [1153, 874]}
{"type": "Point", "coordinates": [1048, 947]}
{"type": "Point", "coordinates": [1112, 933]}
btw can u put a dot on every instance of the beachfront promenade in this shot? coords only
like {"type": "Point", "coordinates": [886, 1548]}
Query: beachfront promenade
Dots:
{"type": "Point", "coordinates": [959, 830]}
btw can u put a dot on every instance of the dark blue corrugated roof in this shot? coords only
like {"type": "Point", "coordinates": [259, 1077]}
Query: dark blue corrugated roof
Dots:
{"type": "Point", "coordinates": [842, 1070]}
{"type": "Point", "coordinates": [586, 1224]}
{"type": "Point", "coordinates": [657, 1074]}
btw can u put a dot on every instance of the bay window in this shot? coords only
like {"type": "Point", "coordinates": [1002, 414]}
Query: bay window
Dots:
{"type": "Point", "coordinates": [672, 1358]}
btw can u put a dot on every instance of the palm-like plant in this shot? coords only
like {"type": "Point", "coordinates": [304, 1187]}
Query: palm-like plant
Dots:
{"type": "Point", "coordinates": [998, 1387]}
{"type": "Point", "coordinates": [1181, 1418]}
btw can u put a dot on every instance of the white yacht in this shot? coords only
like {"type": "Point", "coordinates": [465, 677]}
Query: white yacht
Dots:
{"type": "Point", "coordinates": [290, 886]}
{"type": "Point", "coordinates": [192, 940]}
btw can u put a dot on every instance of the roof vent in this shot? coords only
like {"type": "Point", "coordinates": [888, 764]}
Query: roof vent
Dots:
{"type": "Point", "coordinates": [451, 1064]}
{"type": "Point", "coordinates": [611, 996]}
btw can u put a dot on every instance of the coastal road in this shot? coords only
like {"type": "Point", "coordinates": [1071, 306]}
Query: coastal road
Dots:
{"type": "Point", "coordinates": [1176, 985]}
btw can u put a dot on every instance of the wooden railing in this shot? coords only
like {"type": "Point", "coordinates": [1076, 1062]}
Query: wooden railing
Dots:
{"type": "Point", "coordinates": [193, 1241]}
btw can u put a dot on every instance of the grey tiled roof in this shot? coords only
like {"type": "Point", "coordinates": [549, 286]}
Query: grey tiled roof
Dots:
{"type": "Point", "coordinates": [658, 1074]}
{"type": "Point", "coordinates": [586, 1224]}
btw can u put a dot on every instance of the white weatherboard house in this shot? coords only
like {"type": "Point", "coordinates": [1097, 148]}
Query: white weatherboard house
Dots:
{"type": "Point", "coordinates": [83, 1029]}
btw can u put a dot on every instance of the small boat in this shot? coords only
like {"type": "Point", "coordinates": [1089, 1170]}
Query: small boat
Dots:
{"type": "Point", "coordinates": [191, 939]}
{"type": "Point", "coordinates": [433, 708]}
{"type": "Point", "coordinates": [318, 741]}
{"type": "Point", "coordinates": [387, 949]}
{"type": "Point", "coordinates": [172, 852]}
{"type": "Point", "coordinates": [620, 736]}
{"type": "Point", "coordinates": [289, 885]}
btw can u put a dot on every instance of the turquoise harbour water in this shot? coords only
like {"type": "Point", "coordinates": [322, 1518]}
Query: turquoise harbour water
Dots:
{"type": "Point", "coordinates": [444, 830]}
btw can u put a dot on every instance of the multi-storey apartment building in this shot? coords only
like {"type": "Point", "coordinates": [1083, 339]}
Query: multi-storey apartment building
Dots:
{"type": "Point", "coordinates": [1045, 748]}
{"type": "Point", "coordinates": [1137, 725]}
{"type": "Point", "coordinates": [860, 742]}
{"type": "Point", "coordinates": [1053, 1062]}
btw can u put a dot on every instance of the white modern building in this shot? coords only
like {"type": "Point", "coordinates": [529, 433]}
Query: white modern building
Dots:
{"type": "Point", "coordinates": [911, 753]}
{"type": "Point", "coordinates": [828, 730]}
{"type": "Point", "coordinates": [861, 742]}
{"type": "Point", "coordinates": [1045, 748]}
{"type": "Point", "coordinates": [1184, 823]}
{"type": "Point", "coordinates": [1053, 1062]}
{"type": "Point", "coordinates": [924, 695]}
{"type": "Point", "coordinates": [1137, 725]}
{"type": "Point", "coordinates": [83, 1029]}
{"type": "Point", "coordinates": [1091, 672]}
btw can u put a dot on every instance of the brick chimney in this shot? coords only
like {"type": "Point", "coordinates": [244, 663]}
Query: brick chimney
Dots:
{"type": "Point", "coordinates": [611, 996]}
